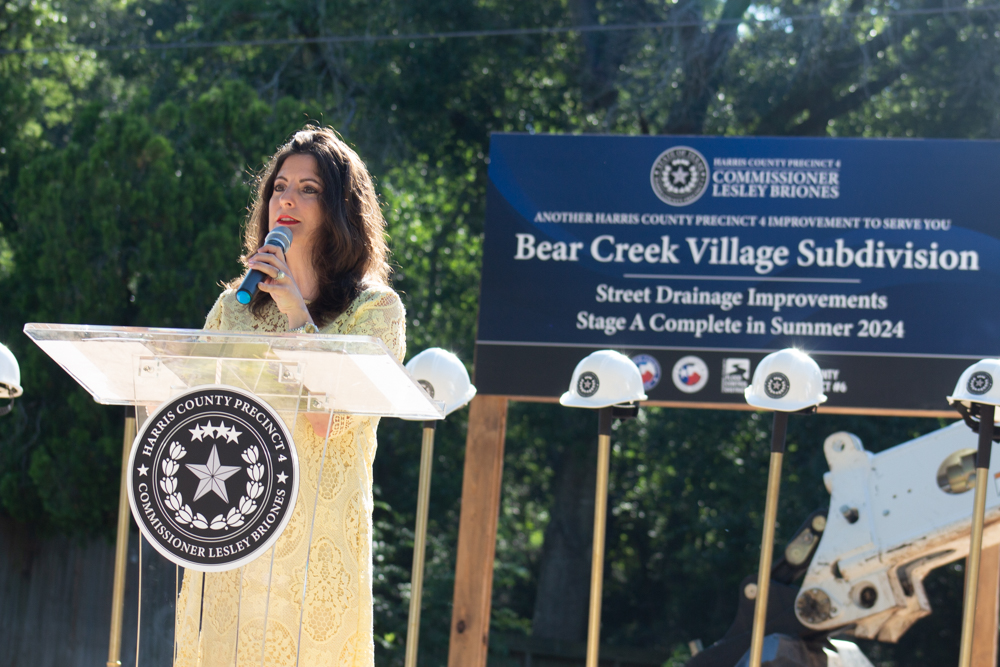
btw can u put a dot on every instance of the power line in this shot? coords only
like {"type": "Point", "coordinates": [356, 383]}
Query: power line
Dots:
{"type": "Point", "coordinates": [505, 32]}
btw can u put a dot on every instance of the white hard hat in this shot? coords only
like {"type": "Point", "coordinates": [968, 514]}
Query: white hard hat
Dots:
{"type": "Point", "coordinates": [980, 383]}
{"type": "Point", "coordinates": [10, 375]}
{"type": "Point", "coordinates": [603, 379]}
{"type": "Point", "coordinates": [786, 381]}
{"type": "Point", "coordinates": [443, 376]}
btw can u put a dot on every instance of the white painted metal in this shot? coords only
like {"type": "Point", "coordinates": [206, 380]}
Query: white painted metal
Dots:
{"type": "Point", "coordinates": [906, 526]}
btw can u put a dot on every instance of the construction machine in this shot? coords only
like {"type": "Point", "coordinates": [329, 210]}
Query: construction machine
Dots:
{"type": "Point", "coordinates": [893, 517]}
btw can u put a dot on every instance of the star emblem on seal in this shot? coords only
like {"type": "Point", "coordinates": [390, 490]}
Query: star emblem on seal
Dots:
{"type": "Point", "coordinates": [980, 383]}
{"type": "Point", "coordinates": [679, 176]}
{"type": "Point", "coordinates": [588, 384]}
{"type": "Point", "coordinates": [212, 476]}
{"type": "Point", "coordinates": [776, 385]}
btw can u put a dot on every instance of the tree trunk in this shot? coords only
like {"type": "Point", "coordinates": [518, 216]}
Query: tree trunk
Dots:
{"type": "Point", "coordinates": [562, 600]}
{"type": "Point", "coordinates": [705, 55]}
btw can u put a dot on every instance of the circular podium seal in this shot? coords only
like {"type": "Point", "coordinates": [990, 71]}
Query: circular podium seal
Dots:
{"type": "Point", "coordinates": [213, 478]}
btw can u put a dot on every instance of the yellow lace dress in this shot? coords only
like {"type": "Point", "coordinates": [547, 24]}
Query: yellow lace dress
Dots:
{"type": "Point", "coordinates": [336, 619]}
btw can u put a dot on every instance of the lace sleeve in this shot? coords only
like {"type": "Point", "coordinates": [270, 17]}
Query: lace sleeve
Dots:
{"type": "Point", "coordinates": [214, 320]}
{"type": "Point", "coordinates": [380, 313]}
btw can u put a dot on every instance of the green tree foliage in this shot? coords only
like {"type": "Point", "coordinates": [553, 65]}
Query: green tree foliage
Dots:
{"type": "Point", "coordinates": [132, 222]}
{"type": "Point", "coordinates": [125, 179]}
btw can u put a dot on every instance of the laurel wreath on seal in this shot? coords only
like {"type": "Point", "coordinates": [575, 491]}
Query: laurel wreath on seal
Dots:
{"type": "Point", "coordinates": [236, 515]}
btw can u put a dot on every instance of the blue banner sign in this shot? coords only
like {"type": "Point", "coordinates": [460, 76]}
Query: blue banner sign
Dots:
{"type": "Point", "coordinates": [699, 255]}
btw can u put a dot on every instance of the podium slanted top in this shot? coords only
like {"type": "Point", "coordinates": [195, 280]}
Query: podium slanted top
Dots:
{"type": "Point", "coordinates": [355, 375]}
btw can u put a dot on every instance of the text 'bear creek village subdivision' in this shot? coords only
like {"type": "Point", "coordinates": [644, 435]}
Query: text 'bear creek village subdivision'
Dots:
{"type": "Point", "coordinates": [730, 251]}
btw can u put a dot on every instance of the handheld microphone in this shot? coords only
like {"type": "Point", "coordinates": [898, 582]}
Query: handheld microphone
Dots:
{"type": "Point", "coordinates": [280, 237]}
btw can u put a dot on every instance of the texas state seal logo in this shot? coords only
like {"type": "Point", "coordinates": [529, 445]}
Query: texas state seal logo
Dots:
{"type": "Point", "coordinates": [776, 385]}
{"type": "Point", "coordinates": [679, 176]}
{"type": "Point", "coordinates": [213, 477]}
{"type": "Point", "coordinates": [588, 384]}
{"type": "Point", "coordinates": [980, 383]}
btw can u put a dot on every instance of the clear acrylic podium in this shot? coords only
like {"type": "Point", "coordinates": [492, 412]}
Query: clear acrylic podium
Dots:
{"type": "Point", "coordinates": [294, 373]}
{"type": "Point", "coordinates": [304, 376]}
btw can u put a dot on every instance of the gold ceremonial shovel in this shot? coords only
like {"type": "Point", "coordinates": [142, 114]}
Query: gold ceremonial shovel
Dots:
{"type": "Point", "coordinates": [784, 381]}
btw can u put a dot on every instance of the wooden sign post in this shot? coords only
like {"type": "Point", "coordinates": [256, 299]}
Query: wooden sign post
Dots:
{"type": "Point", "coordinates": [477, 531]}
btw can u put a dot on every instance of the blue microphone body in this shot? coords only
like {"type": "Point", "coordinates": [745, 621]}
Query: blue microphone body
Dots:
{"type": "Point", "coordinates": [280, 237]}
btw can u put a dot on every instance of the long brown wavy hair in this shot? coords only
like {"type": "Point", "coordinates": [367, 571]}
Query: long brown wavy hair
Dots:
{"type": "Point", "coordinates": [351, 252]}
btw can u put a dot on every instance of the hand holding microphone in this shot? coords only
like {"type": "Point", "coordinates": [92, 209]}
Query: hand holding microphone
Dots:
{"type": "Point", "coordinates": [270, 261]}
{"type": "Point", "coordinates": [279, 237]}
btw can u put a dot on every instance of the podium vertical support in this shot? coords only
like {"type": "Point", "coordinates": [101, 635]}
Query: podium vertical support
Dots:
{"type": "Point", "coordinates": [419, 544]}
{"type": "Point", "coordinates": [121, 551]}
{"type": "Point", "coordinates": [477, 532]}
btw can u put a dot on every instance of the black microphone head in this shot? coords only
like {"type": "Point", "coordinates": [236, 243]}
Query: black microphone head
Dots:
{"type": "Point", "coordinates": [279, 236]}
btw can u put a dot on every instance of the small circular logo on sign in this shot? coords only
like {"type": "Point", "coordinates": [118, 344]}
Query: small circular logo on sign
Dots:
{"type": "Point", "coordinates": [213, 478]}
{"type": "Point", "coordinates": [690, 374]}
{"type": "Point", "coordinates": [428, 387]}
{"type": "Point", "coordinates": [776, 385]}
{"type": "Point", "coordinates": [649, 369]}
{"type": "Point", "coordinates": [588, 384]}
{"type": "Point", "coordinates": [980, 383]}
{"type": "Point", "coordinates": [679, 176]}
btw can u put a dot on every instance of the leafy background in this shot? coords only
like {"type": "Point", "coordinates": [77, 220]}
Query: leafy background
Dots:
{"type": "Point", "coordinates": [125, 177]}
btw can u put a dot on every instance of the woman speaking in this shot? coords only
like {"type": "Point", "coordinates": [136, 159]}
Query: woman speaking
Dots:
{"type": "Point", "coordinates": [332, 280]}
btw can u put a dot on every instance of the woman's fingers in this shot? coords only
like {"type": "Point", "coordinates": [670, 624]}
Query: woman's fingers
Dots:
{"type": "Point", "coordinates": [266, 269]}
{"type": "Point", "coordinates": [266, 258]}
{"type": "Point", "coordinates": [273, 250]}
{"type": "Point", "coordinates": [280, 284]}
{"type": "Point", "coordinates": [280, 290]}
{"type": "Point", "coordinates": [276, 278]}
{"type": "Point", "coordinates": [268, 263]}
{"type": "Point", "coordinates": [285, 293]}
